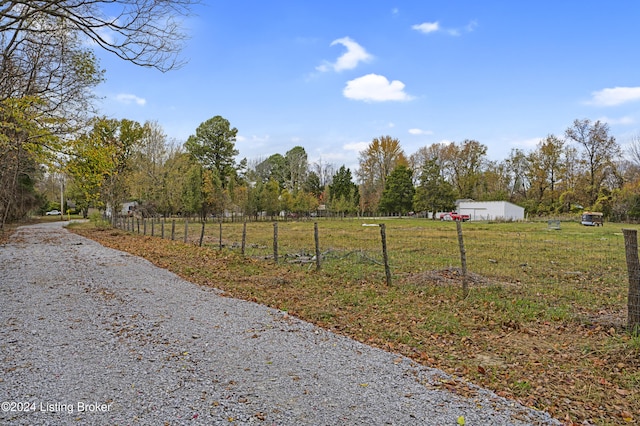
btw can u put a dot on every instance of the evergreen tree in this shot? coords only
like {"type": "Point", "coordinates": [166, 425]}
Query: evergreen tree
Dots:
{"type": "Point", "coordinates": [213, 146]}
{"type": "Point", "coordinates": [398, 192]}
{"type": "Point", "coordinates": [343, 193]}
{"type": "Point", "coordinates": [433, 193]}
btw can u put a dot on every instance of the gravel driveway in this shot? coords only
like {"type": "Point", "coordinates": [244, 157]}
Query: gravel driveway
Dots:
{"type": "Point", "coordinates": [91, 335]}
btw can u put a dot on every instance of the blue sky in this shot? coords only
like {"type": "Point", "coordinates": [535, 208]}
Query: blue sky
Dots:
{"type": "Point", "coordinates": [332, 75]}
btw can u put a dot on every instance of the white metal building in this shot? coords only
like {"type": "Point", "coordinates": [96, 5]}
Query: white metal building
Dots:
{"type": "Point", "coordinates": [490, 210]}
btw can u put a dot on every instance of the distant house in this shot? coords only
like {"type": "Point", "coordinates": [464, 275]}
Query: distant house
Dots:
{"type": "Point", "coordinates": [490, 210]}
{"type": "Point", "coordinates": [127, 208]}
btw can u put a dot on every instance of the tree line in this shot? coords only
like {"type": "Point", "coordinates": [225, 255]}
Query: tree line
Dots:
{"type": "Point", "coordinates": [52, 142]}
{"type": "Point", "coordinates": [585, 168]}
{"type": "Point", "coordinates": [115, 161]}
{"type": "Point", "coordinates": [120, 160]}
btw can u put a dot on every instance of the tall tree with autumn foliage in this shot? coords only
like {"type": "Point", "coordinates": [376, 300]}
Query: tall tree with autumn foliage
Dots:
{"type": "Point", "coordinates": [598, 150]}
{"type": "Point", "coordinates": [376, 163]}
{"type": "Point", "coordinates": [101, 160]}
{"type": "Point", "coordinates": [465, 165]}
{"type": "Point", "coordinates": [546, 168]}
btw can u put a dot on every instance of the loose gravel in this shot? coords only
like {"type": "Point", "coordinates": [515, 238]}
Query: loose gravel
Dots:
{"type": "Point", "coordinates": [91, 335]}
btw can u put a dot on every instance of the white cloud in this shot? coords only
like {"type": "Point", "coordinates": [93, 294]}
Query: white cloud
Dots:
{"type": "Point", "coordinates": [434, 27]}
{"type": "Point", "coordinates": [615, 96]}
{"type": "Point", "coordinates": [329, 157]}
{"type": "Point", "coordinates": [127, 99]}
{"type": "Point", "coordinates": [259, 139]}
{"type": "Point", "coordinates": [471, 26]}
{"type": "Point", "coordinates": [253, 140]}
{"type": "Point", "coordinates": [349, 59]}
{"type": "Point", "coordinates": [106, 34]}
{"type": "Point", "coordinates": [375, 88]}
{"type": "Point", "coordinates": [526, 143]}
{"type": "Point", "coordinates": [427, 27]}
{"type": "Point", "coordinates": [420, 132]}
{"type": "Point", "coordinates": [625, 121]}
{"type": "Point", "coordinates": [355, 146]}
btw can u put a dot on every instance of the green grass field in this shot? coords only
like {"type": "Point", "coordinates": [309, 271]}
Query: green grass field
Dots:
{"type": "Point", "coordinates": [573, 270]}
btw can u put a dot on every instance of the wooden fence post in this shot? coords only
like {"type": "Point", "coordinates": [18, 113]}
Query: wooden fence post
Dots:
{"type": "Point", "coordinates": [633, 271]}
{"type": "Point", "coordinates": [201, 234]}
{"type": "Point", "coordinates": [153, 226]}
{"type": "Point", "coordinates": [385, 257]}
{"type": "Point", "coordinates": [138, 225]}
{"type": "Point", "coordinates": [463, 260]}
{"type": "Point", "coordinates": [220, 239]}
{"type": "Point", "coordinates": [162, 229]}
{"type": "Point", "coordinates": [173, 229]}
{"type": "Point", "coordinates": [186, 229]}
{"type": "Point", "coordinates": [316, 237]}
{"type": "Point", "coordinates": [275, 242]}
{"type": "Point", "coordinates": [244, 235]}
{"type": "Point", "coordinates": [144, 226]}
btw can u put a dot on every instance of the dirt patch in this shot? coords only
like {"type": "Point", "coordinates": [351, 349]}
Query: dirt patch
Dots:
{"type": "Point", "coordinates": [451, 277]}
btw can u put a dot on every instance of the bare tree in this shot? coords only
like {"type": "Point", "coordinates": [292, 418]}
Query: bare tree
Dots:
{"type": "Point", "coordinates": [144, 32]}
{"type": "Point", "coordinates": [53, 69]}
{"type": "Point", "coordinates": [633, 150]}
{"type": "Point", "coordinates": [147, 161]}
{"type": "Point", "coordinates": [324, 170]}
{"type": "Point", "coordinates": [297, 167]}
{"type": "Point", "coordinates": [599, 153]}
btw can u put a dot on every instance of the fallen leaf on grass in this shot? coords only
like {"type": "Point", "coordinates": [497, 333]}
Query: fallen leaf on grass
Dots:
{"type": "Point", "coordinates": [626, 416]}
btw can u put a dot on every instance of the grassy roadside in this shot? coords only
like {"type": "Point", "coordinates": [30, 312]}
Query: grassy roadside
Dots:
{"type": "Point", "coordinates": [6, 233]}
{"type": "Point", "coordinates": [557, 347]}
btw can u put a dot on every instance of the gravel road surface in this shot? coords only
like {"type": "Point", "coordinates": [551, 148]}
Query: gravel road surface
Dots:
{"type": "Point", "coordinates": [91, 335]}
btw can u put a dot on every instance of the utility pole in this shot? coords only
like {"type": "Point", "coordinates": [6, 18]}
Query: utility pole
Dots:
{"type": "Point", "coordinates": [61, 196]}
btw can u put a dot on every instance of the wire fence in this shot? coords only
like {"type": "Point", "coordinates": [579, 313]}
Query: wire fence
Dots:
{"type": "Point", "coordinates": [563, 265]}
